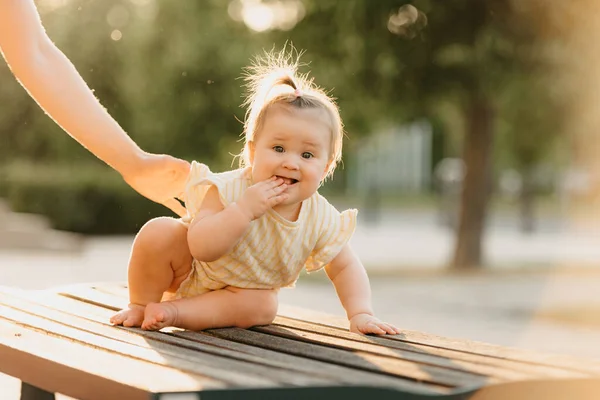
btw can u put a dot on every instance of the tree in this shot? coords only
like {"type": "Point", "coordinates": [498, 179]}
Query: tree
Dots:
{"type": "Point", "coordinates": [180, 79]}
{"type": "Point", "coordinates": [461, 55]}
{"type": "Point", "coordinates": [529, 135]}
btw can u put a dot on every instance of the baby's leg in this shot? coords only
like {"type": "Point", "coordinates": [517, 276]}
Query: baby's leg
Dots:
{"type": "Point", "coordinates": [216, 309]}
{"type": "Point", "coordinates": [160, 261]}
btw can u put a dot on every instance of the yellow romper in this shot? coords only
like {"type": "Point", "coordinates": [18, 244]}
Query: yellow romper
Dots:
{"type": "Point", "coordinates": [273, 251]}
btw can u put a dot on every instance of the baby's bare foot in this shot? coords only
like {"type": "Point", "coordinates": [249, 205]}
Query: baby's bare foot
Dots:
{"type": "Point", "coordinates": [133, 315]}
{"type": "Point", "coordinates": [159, 315]}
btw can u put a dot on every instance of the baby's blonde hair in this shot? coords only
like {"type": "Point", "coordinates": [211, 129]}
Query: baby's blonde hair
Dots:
{"type": "Point", "coordinates": [274, 79]}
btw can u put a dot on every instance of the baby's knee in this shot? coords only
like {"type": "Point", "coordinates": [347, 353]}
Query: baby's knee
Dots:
{"type": "Point", "coordinates": [161, 233]}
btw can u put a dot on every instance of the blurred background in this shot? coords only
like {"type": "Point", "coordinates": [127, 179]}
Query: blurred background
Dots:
{"type": "Point", "coordinates": [472, 149]}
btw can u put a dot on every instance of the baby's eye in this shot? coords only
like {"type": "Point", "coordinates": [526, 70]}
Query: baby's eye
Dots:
{"type": "Point", "coordinates": [278, 149]}
{"type": "Point", "coordinates": [306, 154]}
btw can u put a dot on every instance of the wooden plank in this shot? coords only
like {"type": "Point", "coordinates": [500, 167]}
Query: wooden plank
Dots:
{"type": "Point", "coordinates": [551, 363]}
{"type": "Point", "coordinates": [541, 364]}
{"type": "Point", "coordinates": [423, 355]}
{"type": "Point", "coordinates": [57, 365]}
{"type": "Point", "coordinates": [466, 346]}
{"type": "Point", "coordinates": [167, 344]}
{"type": "Point", "coordinates": [118, 289]}
{"type": "Point", "coordinates": [344, 374]}
{"type": "Point", "coordinates": [91, 315]}
{"type": "Point", "coordinates": [96, 297]}
{"type": "Point", "coordinates": [546, 389]}
{"type": "Point", "coordinates": [494, 372]}
{"type": "Point", "coordinates": [519, 370]}
{"type": "Point", "coordinates": [407, 371]}
{"type": "Point", "coordinates": [145, 346]}
{"type": "Point", "coordinates": [356, 359]}
{"type": "Point", "coordinates": [336, 373]}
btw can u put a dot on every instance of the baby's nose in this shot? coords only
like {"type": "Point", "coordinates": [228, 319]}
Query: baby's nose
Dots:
{"type": "Point", "coordinates": [290, 163]}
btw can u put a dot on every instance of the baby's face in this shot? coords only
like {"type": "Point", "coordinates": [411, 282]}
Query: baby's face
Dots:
{"type": "Point", "coordinates": [294, 144]}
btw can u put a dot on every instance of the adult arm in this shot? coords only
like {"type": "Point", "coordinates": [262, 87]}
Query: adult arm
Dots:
{"type": "Point", "coordinates": [54, 83]}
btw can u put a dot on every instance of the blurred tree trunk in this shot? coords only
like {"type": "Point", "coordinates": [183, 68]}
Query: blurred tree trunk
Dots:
{"type": "Point", "coordinates": [477, 152]}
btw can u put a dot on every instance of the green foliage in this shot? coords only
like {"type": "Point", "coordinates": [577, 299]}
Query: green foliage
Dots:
{"type": "Point", "coordinates": [527, 134]}
{"type": "Point", "coordinates": [85, 200]}
{"type": "Point", "coordinates": [171, 81]}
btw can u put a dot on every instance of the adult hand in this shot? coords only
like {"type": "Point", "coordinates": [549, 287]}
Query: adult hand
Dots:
{"type": "Point", "coordinates": [161, 178]}
{"type": "Point", "coordinates": [262, 196]}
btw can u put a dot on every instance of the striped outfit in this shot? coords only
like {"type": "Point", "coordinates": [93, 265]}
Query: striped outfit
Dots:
{"type": "Point", "coordinates": [273, 251]}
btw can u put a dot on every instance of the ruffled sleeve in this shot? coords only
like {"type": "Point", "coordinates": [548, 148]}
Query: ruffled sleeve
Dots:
{"type": "Point", "coordinates": [199, 181]}
{"type": "Point", "coordinates": [335, 231]}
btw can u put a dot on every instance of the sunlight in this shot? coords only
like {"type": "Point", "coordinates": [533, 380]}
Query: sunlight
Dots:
{"type": "Point", "coordinates": [260, 15]}
{"type": "Point", "coordinates": [145, 9]}
{"type": "Point", "coordinates": [116, 35]}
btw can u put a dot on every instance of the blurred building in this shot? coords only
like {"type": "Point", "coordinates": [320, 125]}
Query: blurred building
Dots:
{"type": "Point", "coordinates": [397, 160]}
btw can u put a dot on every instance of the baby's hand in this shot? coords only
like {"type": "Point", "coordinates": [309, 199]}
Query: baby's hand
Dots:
{"type": "Point", "coordinates": [366, 323]}
{"type": "Point", "coordinates": [262, 196]}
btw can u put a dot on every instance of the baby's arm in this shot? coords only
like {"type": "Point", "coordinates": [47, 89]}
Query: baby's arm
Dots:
{"type": "Point", "coordinates": [216, 229]}
{"type": "Point", "coordinates": [352, 286]}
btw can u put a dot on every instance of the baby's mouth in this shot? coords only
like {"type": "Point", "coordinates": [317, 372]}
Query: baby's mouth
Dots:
{"type": "Point", "coordinates": [287, 181]}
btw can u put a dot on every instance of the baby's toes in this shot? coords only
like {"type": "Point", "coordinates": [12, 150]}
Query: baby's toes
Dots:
{"type": "Point", "coordinates": [151, 323]}
{"type": "Point", "coordinates": [132, 320]}
{"type": "Point", "coordinates": [118, 318]}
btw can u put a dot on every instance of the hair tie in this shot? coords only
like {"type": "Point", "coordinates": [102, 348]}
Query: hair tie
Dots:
{"type": "Point", "coordinates": [298, 92]}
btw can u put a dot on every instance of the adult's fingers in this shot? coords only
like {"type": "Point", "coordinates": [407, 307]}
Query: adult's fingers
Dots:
{"type": "Point", "coordinates": [176, 207]}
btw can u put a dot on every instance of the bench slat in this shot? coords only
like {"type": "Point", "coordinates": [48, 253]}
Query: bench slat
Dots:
{"type": "Point", "coordinates": [63, 342]}
{"type": "Point", "coordinates": [345, 375]}
{"type": "Point", "coordinates": [495, 373]}
{"type": "Point", "coordinates": [355, 359]}
{"type": "Point", "coordinates": [147, 346]}
{"type": "Point", "coordinates": [77, 370]}
{"type": "Point", "coordinates": [551, 363]}
{"type": "Point", "coordinates": [466, 346]}
{"type": "Point", "coordinates": [496, 369]}
{"type": "Point", "coordinates": [502, 368]}
{"type": "Point", "coordinates": [409, 375]}
{"type": "Point", "coordinates": [358, 360]}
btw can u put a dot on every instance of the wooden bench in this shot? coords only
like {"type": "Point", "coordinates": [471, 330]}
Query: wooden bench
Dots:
{"type": "Point", "coordinates": [61, 341]}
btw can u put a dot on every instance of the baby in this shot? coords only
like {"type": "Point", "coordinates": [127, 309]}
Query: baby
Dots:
{"type": "Point", "coordinates": [250, 231]}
